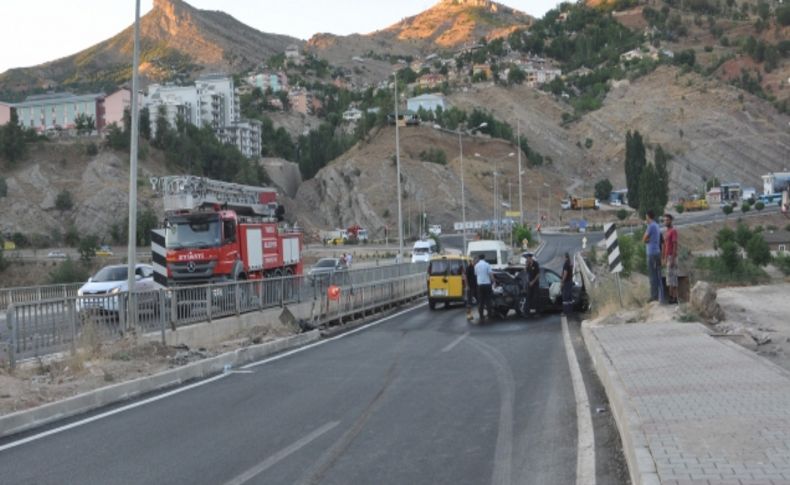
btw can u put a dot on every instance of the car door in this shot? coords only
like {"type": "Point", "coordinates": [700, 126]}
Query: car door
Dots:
{"type": "Point", "coordinates": [548, 278]}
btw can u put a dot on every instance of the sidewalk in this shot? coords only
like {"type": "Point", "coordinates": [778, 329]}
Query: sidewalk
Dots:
{"type": "Point", "coordinates": [692, 408]}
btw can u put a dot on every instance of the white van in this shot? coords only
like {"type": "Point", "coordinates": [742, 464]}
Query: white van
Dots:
{"type": "Point", "coordinates": [423, 250]}
{"type": "Point", "coordinates": [497, 253]}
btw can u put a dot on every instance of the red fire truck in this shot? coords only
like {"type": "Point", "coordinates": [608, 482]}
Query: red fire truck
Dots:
{"type": "Point", "coordinates": [220, 231]}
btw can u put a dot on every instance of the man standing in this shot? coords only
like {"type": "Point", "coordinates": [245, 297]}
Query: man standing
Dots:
{"type": "Point", "coordinates": [670, 257]}
{"type": "Point", "coordinates": [533, 283]}
{"type": "Point", "coordinates": [652, 240]}
{"type": "Point", "coordinates": [567, 286]}
{"type": "Point", "coordinates": [471, 289]}
{"type": "Point", "coordinates": [484, 276]}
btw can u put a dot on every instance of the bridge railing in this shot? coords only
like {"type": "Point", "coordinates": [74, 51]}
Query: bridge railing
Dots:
{"type": "Point", "coordinates": [66, 323]}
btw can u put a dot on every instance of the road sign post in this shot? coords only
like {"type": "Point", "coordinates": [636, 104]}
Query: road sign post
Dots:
{"type": "Point", "coordinates": [613, 252]}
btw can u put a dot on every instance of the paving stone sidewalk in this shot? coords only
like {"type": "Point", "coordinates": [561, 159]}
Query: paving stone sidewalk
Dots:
{"type": "Point", "coordinates": [694, 408]}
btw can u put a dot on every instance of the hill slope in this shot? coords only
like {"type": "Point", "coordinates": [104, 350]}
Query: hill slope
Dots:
{"type": "Point", "coordinates": [178, 41]}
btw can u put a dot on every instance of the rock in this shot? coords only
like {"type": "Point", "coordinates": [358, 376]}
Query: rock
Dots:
{"type": "Point", "coordinates": [703, 301]}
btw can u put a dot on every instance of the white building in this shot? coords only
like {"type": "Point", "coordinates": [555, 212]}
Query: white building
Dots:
{"type": "Point", "coordinates": [775, 182]}
{"type": "Point", "coordinates": [428, 102]}
{"type": "Point", "coordinates": [352, 115]}
{"type": "Point", "coordinates": [212, 101]}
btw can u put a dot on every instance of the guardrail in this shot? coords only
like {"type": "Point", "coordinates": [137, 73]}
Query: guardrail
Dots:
{"type": "Point", "coordinates": [62, 324]}
{"type": "Point", "coordinates": [587, 276]}
{"type": "Point", "coordinates": [27, 294]}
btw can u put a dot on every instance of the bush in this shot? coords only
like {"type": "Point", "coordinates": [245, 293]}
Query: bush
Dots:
{"type": "Point", "coordinates": [68, 271]}
{"type": "Point", "coordinates": [64, 201]}
{"type": "Point", "coordinates": [746, 207]}
{"type": "Point", "coordinates": [87, 247]}
{"type": "Point", "coordinates": [759, 206]}
{"type": "Point", "coordinates": [603, 189]}
{"type": "Point", "coordinates": [742, 235]}
{"type": "Point", "coordinates": [783, 263]}
{"type": "Point", "coordinates": [92, 149]}
{"type": "Point", "coordinates": [727, 209]}
{"type": "Point", "coordinates": [434, 155]}
{"type": "Point", "coordinates": [622, 214]}
{"type": "Point", "coordinates": [680, 208]}
{"type": "Point", "coordinates": [522, 232]}
{"type": "Point", "coordinates": [758, 251]}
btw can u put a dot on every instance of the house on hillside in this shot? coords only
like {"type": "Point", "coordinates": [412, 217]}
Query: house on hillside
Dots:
{"type": "Point", "coordinates": [428, 102]}
{"type": "Point", "coordinates": [352, 115]}
{"type": "Point", "coordinates": [778, 242]}
{"type": "Point", "coordinates": [431, 81]}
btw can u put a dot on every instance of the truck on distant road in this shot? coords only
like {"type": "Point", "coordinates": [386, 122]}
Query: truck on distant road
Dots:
{"type": "Point", "coordinates": [579, 203]}
{"type": "Point", "coordinates": [220, 231]}
{"type": "Point", "coordinates": [695, 205]}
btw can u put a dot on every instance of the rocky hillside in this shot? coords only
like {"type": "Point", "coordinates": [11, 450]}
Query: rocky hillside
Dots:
{"type": "Point", "coordinates": [447, 26]}
{"type": "Point", "coordinates": [178, 41]}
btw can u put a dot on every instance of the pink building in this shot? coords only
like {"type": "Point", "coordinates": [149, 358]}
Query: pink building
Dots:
{"type": "Point", "coordinates": [116, 103]}
{"type": "Point", "coordinates": [5, 113]}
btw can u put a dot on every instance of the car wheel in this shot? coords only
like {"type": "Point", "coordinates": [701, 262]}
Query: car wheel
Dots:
{"type": "Point", "coordinates": [502, 312]}
{"type": "Point", "coordinates": [431, 304]}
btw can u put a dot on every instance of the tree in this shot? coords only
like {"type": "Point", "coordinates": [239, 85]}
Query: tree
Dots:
{"type": "Point", "coordinates": [603, 189]}
{"type": "Point", "coordinates": [87, 247]}
{"type": "Point", "coordinates": [145, 123]}
{"type": "Point", "coordinates": [759, 205]}
{"type": "Point", "coordinates": [662, 176]}
{"type": "Point", "coordinates": [635, 162]}
{"type": "Point", "coordinates": [727, 209]}
{"type": "Point", "coordinates": [85, 124]}
{"type": "Point", "coordinates": [758, 251]}
{"type": "Point", "coordinates": [3, 187]}
{"type": "Point", "coordinates": [622, 214]}
{"type": "Point", "coordinates": [746, 207]}
{"type": "Point", "coordinates": [516, 76]}
{"type": "Point", "coordinates": [64, 201]}
{"type": "Point", "coordinates": [12, 139]}
{"type": "Point", "coordinates": [649, 194]}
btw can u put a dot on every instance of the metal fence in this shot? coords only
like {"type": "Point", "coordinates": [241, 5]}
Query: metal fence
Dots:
{"type": "Point", "coordinates": [9, 296]}
{"type": "Point", "coordinates": [64, 323]}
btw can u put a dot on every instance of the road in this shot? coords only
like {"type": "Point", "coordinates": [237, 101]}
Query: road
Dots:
{"type": "Point", "coordinates": [421, 398]}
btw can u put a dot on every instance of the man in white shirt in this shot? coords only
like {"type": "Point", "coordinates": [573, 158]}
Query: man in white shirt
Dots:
{"type": "Point", "coordinates": [484, 275]}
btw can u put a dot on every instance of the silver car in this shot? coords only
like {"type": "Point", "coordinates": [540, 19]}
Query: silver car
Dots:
{"type": "Point", "coordinates": [325, 268]}
{"type": "Point", "coordinates": [101, 291]}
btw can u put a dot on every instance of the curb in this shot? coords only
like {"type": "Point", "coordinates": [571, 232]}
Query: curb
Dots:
{"type": "Point", "coordinates": [30, 418]}
{"type": "Point", "coordinates": [641, 465]}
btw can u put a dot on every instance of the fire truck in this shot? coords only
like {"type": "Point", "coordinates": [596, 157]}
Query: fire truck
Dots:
{"type": "Point", "coordinates": [220, 231]}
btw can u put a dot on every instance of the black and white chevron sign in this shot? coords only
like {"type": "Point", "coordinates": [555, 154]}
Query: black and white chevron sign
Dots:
{"type": "Point", "coordinates": [159, 256]}
{"type": "Point", "coordinates": [612, 248]}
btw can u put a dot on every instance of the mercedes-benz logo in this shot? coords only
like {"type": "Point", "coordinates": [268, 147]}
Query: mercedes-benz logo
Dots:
{"type": "Point", "coordinates": [191, 266]}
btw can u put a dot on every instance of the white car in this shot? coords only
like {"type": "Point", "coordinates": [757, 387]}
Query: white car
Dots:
{"type": "Point", "coordinates": [56, 255]}
{"type": "Point", "coordinates": [101, 291]}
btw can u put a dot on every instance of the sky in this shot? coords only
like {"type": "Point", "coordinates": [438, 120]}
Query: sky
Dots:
{"type": "Point", "coordinates": [38, 31]}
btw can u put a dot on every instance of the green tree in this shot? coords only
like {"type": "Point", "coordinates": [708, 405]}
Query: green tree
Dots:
{"type": "Point", "coordinates": [622, 214]}
{"type": "Point", "coordinates": [635, 162]}
{"type": "Point", "coordinates": [64, 201]}
{"type": "Point", "coordinates": [662, 176]}
{"type": "Point", "coordinates": [145, 123]}
{"type": "Point", "coordinates": [85, 124]}
{"type": "Point", "coordinates": [87, 247]}
{"type": "Point", "coordinates": [759, 205]}
{"type": "Point", "coordinates": [603, 189]}
{"type": "Point", "coordinates": [68, 271]}
{"type": "Point", "coordinates": [742, 234]}
{"type": "Point", "coordinates": [727, 209]}
{"type": "Point", "coordinates": [516, 76]}
{"type": "Point", "coordinates": [730, 257]}
{"type": "Point", "coordinates": [649, 192]}
{"type": "Point", "coordinates": [12, 139]}
{"type": "Point", "coordinates": [758, 251]}
{"type": "Point", "coordinates": [746, 207]}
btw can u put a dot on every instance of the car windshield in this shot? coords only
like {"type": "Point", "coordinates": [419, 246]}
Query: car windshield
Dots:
{"type": "Point", "coordinates": [110, 273]}
{"type": "Point", "coordinates": [193, 232]}
{"type": "Point", "coordinates": [490, 256]}
{"type": "Point", "coordinates": [325, 263]}
{"type": "Point", "coordinates": [442, 267]}
{"type": "Point", "coordinates": [421, 251]}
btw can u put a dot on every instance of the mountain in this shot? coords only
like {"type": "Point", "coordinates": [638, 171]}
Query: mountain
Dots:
{"type": "Point", "coordinates": [178, 41]}
{"type": "Point", "coordinates": [448, 25]}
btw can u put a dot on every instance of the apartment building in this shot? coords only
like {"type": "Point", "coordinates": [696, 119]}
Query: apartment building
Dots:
{"type": "Point", "coordinates": [55, 110]}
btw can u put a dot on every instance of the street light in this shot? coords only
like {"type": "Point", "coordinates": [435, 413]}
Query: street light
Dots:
{"type": "Point", "coordinates": [397, 160]}
{"type": "Point", "coordinates": [497, 218]}
{"type": "Point", "coordinates": [463, 188]}
{"type": "Point", "coordinates": [131, 253]}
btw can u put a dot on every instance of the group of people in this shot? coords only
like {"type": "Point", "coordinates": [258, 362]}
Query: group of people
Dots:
{"type": "Point", "coordinates": [479, 280]}
{"type": "Point", "coordinates": [346, 258]}
{"type": "Point", "coordinates": [662, 252]}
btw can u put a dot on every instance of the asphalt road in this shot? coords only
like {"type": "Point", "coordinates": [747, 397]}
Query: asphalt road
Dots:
{"type": "Point", "coordinates": [422, 398]}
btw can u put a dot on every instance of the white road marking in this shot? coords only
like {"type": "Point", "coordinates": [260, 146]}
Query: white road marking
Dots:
{"type": "Point", "coordinates": [322, 342]}
{"type": "Point", "coordinates": [159, 397]}
{"type": "Point", "coordinates": [585, 446]}
{"type": "Point", "coordinates": [81, 422]}
{"type": "Point", "coordinates": [281, 455]}
{"type": "Point", "coordinates": [455, 342]}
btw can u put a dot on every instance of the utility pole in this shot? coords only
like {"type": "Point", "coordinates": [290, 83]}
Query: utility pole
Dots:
{"type": "Point", "coordinates": [463, 194]}
{"type": "Point", "coordinates": [131, 253]}
{"type": "Point", "coordinates": [397, 162]}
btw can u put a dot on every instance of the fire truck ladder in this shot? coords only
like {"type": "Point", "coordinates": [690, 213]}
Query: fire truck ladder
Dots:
{"type": "Point", "coordinates": [188, 192]}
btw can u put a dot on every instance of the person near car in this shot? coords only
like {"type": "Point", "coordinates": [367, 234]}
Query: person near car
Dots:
{"type": "Point", "coordinates": [533, 283]}
{"type": "Point", "coordinates": [348, 260]}
{"type": "Point", "coordinates": [567, 285]}
{"type": "Point", "coordinates": [484, 275]}
{"type": "Point", "coordinates": [470, 282]}
{"type": "Point", "coordinates": [652, 240]}
{"type": "Point", "coordinates": [670, 257]}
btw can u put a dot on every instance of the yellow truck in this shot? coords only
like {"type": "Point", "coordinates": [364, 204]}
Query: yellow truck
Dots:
{"type": "Point", "coordinates": [695, 205]}
{"type": "Point", "coordinates": [446, 280]}
{"type": "Point", "coordinates": [578, 203]}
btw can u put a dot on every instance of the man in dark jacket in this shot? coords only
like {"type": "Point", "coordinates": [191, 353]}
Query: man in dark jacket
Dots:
{"type": "Point", "coordinates": [471, 288]}
{"type": "Point", "coordinates": [567, 285]}
{"type": "Point", "coordinates": [533, 284]}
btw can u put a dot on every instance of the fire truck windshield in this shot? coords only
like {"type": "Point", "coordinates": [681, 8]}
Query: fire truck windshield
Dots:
{"type": "Point", "coordinates": [193, 232]}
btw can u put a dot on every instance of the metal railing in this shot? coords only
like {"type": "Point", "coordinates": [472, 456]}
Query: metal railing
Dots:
{"type": "Point", "coordinates": [62, 324]}
{"type": "Point", "coordinates": [27, 294]}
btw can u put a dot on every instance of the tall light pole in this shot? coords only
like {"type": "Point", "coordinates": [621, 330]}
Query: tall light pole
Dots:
{"type": "Point", "coordinates": [463, 188]}
{"type": "Point", "coordinates": [397, 162]}
{"type": "Point", "coordinates": [497, 219]}
{"type": "Point", "coordinates": [131, 253]}
{"type": "Point", "coordinates": [520, 191]}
